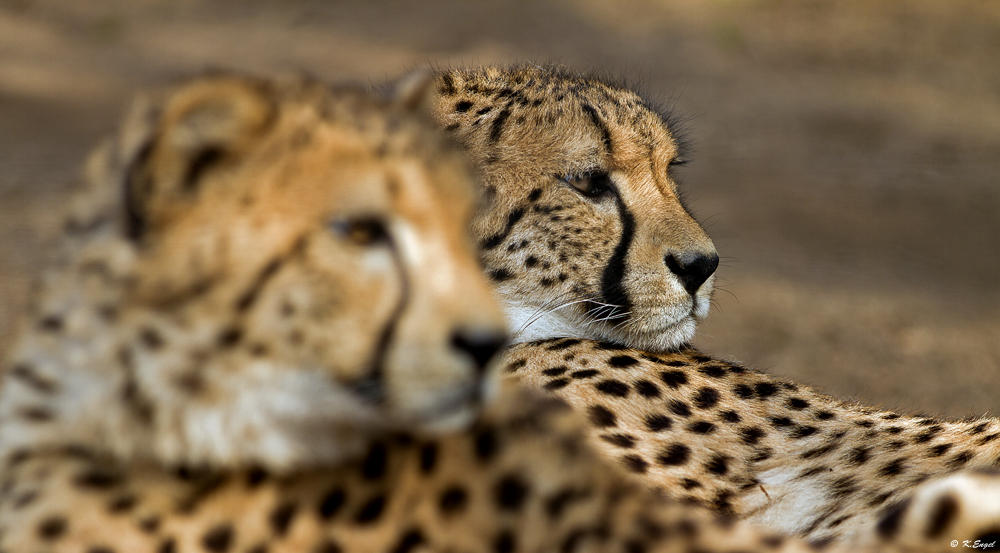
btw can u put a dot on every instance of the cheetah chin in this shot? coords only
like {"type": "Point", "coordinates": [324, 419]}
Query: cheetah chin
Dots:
{"type": "Point", "coordinates": [668, 332]}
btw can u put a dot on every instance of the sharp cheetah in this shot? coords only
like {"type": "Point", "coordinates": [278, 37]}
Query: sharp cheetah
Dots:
{"type": "Point", "coordinates": [584, 236]}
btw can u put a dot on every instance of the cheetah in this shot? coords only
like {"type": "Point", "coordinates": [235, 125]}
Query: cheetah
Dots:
{"type": "Point", "coordinates": [244, 347]}
{"type": "Point", "coordinates": [584, 237]}
{"type": "Point", "coordinates": [259, 290]}
{"type": "Point", "coordinates": [584, 233]}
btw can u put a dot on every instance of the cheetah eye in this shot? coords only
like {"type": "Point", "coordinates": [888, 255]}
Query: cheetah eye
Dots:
{"type": "Point", "coordinates": [361, 231]}
{"type": "Point", "coordinates": [590, 184]}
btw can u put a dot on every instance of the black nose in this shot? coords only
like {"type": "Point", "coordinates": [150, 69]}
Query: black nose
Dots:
{"type": "Point", "coordinates": [693, 268]}
{"type": "Point", "coordinates": [480, 345]}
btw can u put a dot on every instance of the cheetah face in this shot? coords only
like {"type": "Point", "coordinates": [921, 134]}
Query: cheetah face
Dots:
{"type": "Point", "coordinates": [584, 234]}
{"type": "Point", "coordinates": [302, 278]}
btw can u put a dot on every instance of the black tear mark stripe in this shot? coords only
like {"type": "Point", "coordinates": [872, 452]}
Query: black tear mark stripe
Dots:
{"type": "Point", "coordinates": [497, 239]}
{"type": "Point", "coordinates": [602, 128]}
{"type": "Point", "coordinates": [134, 199]}
{"type": "Point", "coordinates": [248, 298]}
{"type": "Point", "coordinates": [612, 290]}
{"type": "Point", "coordinates": [371, 386]}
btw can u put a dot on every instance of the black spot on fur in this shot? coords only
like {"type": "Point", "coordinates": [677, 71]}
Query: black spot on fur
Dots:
{"type": "Point", "coordinates": [375, 462]}
{"type": "Point", "coordinates": [781, 422]}
{"type": "Point", "coordinates": [229, 337]}
{"type": "Point", "coordinates": [673, 455]}
{"type": "Point", "coordinates": [615, 388]}
{"type": "Point", "coordinates": [328, 546]}
{"type": "Point", "coordinates": [122, 504]}
{"type": "Point", "coordinates": [706, 398]}
{"type": "Point", "coordinates": [52, 528]}
{"type": "Point", "coordinates": [601, 417]}
{"type": "Point", "coordinates": [453, 500]}
{"type": "Point", "coordinates": [52, 323]}
{"type": "Point", "coordinates": [701, 427]}
{"type": "Point", "coordinates": [959, 459]}
{"type": "Point", "coordinates": [892, 468]}
{"type": "Point", "coordinates": [679, 408]}
{"type": "Point", "coordinates": [743, 391]}
{"type": "Point", "coordinates": [586, 373]}
{"type": "Point", "coordinates": [674, 379]}
{"type": "Point", "coordinates": [622, 361]}
{"type": "Point", "coordinates": [510, 493]}
{"type": "Point", "coordinates": [428, 457]}
{"type": "Point", "coordinates": [624, 441]}
{"type": "Point", "coordinates": [330, 503]}
{"type": "Point", "coordinates": [939, 450]}
{"type": "Point", "coordinates": [97, 478]}
{"type": "Point", "coordinates": [486, 446]}
{"type": "Point", "coordinates": [219, 538]}
{"type": "Point", "coordinates": [858, 456]}
{"type": "Point", "coordinates": [371, 510]}
{"type": "Point", "coordinates": [752, 435]}
{"type": "Point", "coordinates": [256, 476]}
{"type": "Point", "coordinates": [658, 422]}
{"type": "Point", "coordinates": [408, 541]}
{"type": "Point", "coordinates": [463, 106]}
{"type": "Point", "coordinates": [765, 390]}
{"type": "Point", "coordinates": [556, 384]}
{"type": "Point", "coordinates": [563, 344]}
{"type": "Point", "coordinates": [803, 431]}
{"type": "Point", "coordinates": [504, 542]}
{"type": "Point", "coordinates": [281, 518]}
{"type": "Point", "coordinates": [635, 464]}
{"type": "Point", "coordinates": [730, 416]}
{"type": "Point", "coordinates": [797, 403]}
{"type": "Point", "coordinates": [647, 389]}
{"type": "Point", "coordinates": [714, 371]}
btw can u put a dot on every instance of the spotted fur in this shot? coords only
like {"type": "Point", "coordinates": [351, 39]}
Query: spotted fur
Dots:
{"type": "Point", "coordinates": [162, 302]}
{"type": "Point", "coordinates": [747, 444]}
{"type": "Point", "coordinates": [584, 233]}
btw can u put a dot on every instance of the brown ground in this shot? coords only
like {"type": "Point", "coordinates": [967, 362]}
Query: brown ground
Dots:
{"type": "Point", "coordinates": [847, 153]}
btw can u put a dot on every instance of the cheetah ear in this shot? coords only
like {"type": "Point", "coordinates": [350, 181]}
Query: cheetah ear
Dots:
{"type": "Point", "coordinates": [198, 127]}
{"type": "Point", "coordinates": [415, 90]}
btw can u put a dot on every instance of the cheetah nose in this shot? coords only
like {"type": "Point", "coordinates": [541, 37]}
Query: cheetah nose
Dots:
{"type": "Point", "coordinates": [481, 345]}
{"type": "Point", "coordinates": [693, 268]}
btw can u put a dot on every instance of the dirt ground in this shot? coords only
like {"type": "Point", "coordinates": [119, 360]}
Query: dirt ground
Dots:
{"type": "Point", "coordinates": [847, 153]}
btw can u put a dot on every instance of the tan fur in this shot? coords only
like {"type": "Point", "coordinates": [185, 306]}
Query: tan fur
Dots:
{"type": "Point", "coordinates": [486, 490]}
{"type": "Point", "coordinates": [553, 252]}
{"type": "Point", "coordinates": [767, 450]}
{"type": "Point", "coordinates": [226, 310]}
{"type": "Point", "coordinates": [129, 409]}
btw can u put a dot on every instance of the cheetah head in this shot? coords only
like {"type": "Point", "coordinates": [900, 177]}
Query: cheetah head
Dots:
{"type": "Point", "coordinates": [282, 271]}
{"type": "Point", "coordinates": [584, 234]}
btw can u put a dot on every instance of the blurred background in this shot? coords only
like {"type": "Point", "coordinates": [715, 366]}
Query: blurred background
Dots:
{"type": "Point", "coordinates": [847, 153]}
